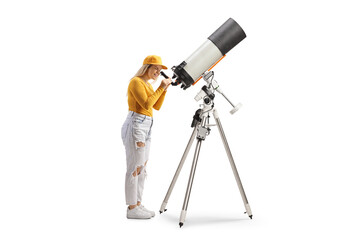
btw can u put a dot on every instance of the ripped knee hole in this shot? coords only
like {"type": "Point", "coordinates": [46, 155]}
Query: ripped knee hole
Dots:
{"type": "Point", "coordinates": [140, 144]}
{"type": "Point", "coordinates": [136, 172]}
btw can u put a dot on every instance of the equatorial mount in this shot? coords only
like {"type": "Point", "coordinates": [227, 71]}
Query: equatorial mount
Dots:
{"type": "Point", "coordinates": [207, 92]}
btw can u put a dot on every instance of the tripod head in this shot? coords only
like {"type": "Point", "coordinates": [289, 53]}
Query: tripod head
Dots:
{"type": "Point", "coordinates": [207, 92]}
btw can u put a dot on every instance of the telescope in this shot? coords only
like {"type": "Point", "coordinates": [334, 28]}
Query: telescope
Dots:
{"type": "Point", "coordinates": [212, 51]}
{"type": "Point", "coordinates": [189, 72]}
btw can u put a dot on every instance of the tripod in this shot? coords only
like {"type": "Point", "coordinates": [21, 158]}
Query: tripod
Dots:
{"type": "Point", "coordinates": [201, 130]}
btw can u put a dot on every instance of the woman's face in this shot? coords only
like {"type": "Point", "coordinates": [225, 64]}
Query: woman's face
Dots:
{"type": "Point", "coordinates": [154, 71]}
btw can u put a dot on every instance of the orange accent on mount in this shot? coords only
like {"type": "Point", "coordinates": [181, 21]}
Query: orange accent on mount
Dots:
{"type": "Point", "coordinates": [209, 69]}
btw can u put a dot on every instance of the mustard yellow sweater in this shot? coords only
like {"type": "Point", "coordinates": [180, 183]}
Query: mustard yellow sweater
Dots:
{"type": "Point", "coordinates": [142, 98]}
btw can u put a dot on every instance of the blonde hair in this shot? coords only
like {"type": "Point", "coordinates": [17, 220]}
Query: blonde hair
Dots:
{"type": "Point", "coordinates": [142, 71]}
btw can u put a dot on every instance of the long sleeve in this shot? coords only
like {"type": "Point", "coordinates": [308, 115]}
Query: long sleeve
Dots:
{"type": "Point", "coordinates": [160, 101]}
{"type": "Point", "coordinates": [137, 89]}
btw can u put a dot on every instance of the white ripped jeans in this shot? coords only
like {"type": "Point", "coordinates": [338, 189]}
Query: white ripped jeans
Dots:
{"type": "Point", "coordinates": [136, 128]}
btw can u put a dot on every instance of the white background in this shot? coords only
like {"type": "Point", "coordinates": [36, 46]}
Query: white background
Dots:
{"type": "Point", "coordinates": [64, 70]}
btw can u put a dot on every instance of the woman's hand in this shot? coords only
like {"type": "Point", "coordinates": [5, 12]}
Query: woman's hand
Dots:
{"type": "Point", "coordinates": [165, 83]}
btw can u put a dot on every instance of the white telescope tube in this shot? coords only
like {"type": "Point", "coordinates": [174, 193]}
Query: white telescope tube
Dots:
{"type": "Point", "coordinates": [209, 53]}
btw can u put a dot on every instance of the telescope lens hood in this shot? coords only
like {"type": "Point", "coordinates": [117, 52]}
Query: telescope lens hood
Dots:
{"type": "Point", "coordinates": [227, 36]}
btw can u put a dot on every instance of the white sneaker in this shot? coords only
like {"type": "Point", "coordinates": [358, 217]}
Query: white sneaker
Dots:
{"type": "Point", "coordinates": [147, 210]}
{"type": "Point", "coordinates": [137, 213]}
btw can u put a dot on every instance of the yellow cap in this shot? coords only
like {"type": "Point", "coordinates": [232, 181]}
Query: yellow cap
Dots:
{"type": "Point", "coordinates": [155, 60]}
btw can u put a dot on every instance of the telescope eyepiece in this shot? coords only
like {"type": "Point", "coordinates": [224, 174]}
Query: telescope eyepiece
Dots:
{"type": "Point", "coordinates": [163, 74]}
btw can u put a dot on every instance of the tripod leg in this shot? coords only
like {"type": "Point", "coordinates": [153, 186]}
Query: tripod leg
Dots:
{"type": "Point", "coordinates": [187, 149]}
{"type": "Point", "coordinates": [232, 163]}
{"type": "Point", "coordinates": [189, 186]}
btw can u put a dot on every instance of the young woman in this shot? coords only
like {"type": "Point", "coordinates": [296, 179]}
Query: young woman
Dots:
{"type": "Point", "coordinates": [136, 131]}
